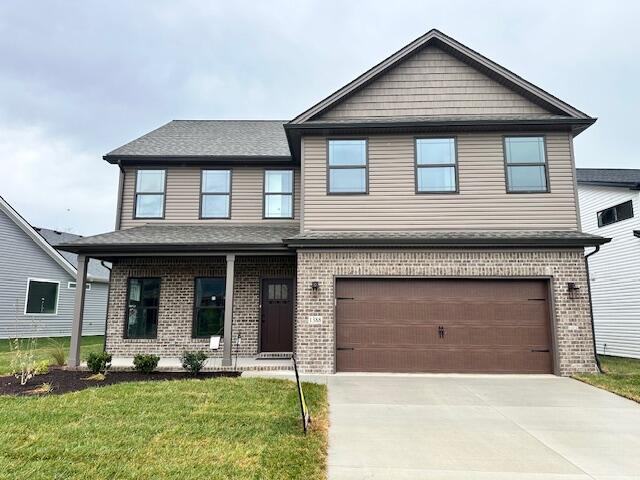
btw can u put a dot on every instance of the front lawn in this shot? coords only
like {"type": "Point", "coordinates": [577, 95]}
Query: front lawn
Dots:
{"type": "Point", "coordinates": [43, 345]}
{"type": "Point", "coordinates": [224, 428]}
{"type": "Point", "coordinates": [620, 375]}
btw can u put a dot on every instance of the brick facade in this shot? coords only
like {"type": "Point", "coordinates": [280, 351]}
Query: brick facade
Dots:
{"type": "Point", "coordinates": [175, 317]}
{"type": "Point", "coordinates": [314, 343]}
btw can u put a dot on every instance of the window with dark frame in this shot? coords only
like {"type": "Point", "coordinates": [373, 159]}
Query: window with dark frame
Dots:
{"type": "Point", "coordinates": [617, 213]}
{"type": "Point", "coordinates": [208, 317]}
{"type": "Point", "coordinates": [526, 164]}
{"type": "Point", "coordinates": [347, 166]}
{"type": "Point", "coordinates": [436, 165]}
{"type": "Point", "coordinates": [215, 194]}
{"type": "Point", "coordinates": [143, 302]}
{"type": "Point", "coordinates": [150, 191]}
{"type": "Point", "coordinates": [278, 193]}
{"type": "Point", "coordinates": [42, 297]}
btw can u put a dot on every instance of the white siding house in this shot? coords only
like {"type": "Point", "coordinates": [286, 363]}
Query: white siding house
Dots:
{"type": "Point", "coordinates": [615, 270]}
{"type": "Point", "coordinates": [27, 257]}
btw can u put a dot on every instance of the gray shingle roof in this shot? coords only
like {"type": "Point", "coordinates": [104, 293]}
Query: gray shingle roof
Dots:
{"type": "Point", "coordinates": [213, 138]}
{"type": "Point", "coordinates": [173, 237]}
{"type": "Point", "coordinates": [431, 237]}
{"type": "Point", "coordinates": [55, 238]}
{"type": "Point", "coordinates": [621, 177]}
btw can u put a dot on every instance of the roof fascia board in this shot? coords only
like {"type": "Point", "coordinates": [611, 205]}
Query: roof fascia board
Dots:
{"type": "Point", "coordinates": [601, 183]}
{"type": "Point", "coordinates": [463, 53]}
{"type": "Point", "coordinates": [458, 243]}
{"type": "Point", "coordinates": [196, 159]}
{"type": "Point", "coordinates": [36, 237]}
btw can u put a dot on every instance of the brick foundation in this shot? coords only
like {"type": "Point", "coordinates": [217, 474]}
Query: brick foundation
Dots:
{"type": "Point", "coordinates": [175, 316]}
{"type": "Point", "coordinates": [315, 342]}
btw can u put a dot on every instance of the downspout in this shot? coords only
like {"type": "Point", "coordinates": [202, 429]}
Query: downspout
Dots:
{"type": "Point", "coordinates": [120, 193]}
{"type": "Point", "coordinates": [106, 315]}
{"type": "Point", "coordinates": [593, 329]}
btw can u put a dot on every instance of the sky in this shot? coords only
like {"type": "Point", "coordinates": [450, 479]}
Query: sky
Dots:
{"type": "Point", "coordinates": [80, 78]}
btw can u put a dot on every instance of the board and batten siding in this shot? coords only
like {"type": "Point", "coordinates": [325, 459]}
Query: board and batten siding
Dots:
{"type": "Point", "coordinates": [482, 202]}
{"type": "Point", "coordinates": [614, 271]}
{"type": "Point", "coordinates": [20, 259]}
{"type": "Point", "coordinates": [183, 196]}
{"type": "Point", "coordinates": [432, 83]}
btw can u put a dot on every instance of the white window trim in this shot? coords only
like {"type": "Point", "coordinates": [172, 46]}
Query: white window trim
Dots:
{"type": "Point", "coordinates": [26, 297]}
{"type": "Point", "coordinates": [72, 285]}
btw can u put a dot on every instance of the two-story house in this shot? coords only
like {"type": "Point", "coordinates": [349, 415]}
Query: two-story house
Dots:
{"type": "Point", "coordinates": [609, 200]}
{"type": "Point", "coordinates": [420, 219]}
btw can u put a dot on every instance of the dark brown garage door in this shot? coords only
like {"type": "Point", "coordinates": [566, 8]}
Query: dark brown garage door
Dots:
{"type": "Point", "coordinates": [433, 325]}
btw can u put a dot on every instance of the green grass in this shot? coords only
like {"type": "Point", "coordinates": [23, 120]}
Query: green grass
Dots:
{"type": "Point", "coordinates": [231, 428]}
{"type": "Point", "coordinates": [87, 345]}
{"type": "Point", "coordinates": [620, 375]}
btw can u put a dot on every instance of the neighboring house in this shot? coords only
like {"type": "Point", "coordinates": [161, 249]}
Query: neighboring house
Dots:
{"type": "Point", "coordinates": [610, 206]}
{"type": "Point", "coordinates": [37, 282]}
{"type": "Point", "coordinates": [423, 218]}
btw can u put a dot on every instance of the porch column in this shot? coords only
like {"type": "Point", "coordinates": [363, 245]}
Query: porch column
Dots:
{"type": "Point", "coordinates": [78, 312]}
{"type": "Point", "coordinates": [228, 312]}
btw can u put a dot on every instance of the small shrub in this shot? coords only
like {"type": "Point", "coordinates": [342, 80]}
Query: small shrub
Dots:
{"type": "Point", "coordinates": [41, 367]}
{"type": "Point", "coordinates": [145, 363]}
{"type": "Point", "coordinates": [99, 362]}
{"type": "Point", "coordinates": [57, 352]}
{"type": "Point", "coordinates": [193, 362]}
{"type": "Point", "coordinates": [44, 388]}
{"type": "Point", "coordinates": [23, 361]}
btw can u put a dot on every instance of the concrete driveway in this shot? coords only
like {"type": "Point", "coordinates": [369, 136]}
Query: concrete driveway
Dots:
{"type": "Point", "coordinates": [479, 427]}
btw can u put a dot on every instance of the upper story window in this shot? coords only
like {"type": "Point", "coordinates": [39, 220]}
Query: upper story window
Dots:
{"type": "Point", "coordinates": [615, 214]}
{"type": "Point", "coordinates": [150, 190]}
{"type": "Point", "coordinates": [436, 165]}
{"type": "Point", "coordinates": [526, 164]}
{"type": "Point", "coordinates": [278, 194]}
{"type": "Point", "coordinates": [42, 297]}
{"type": "Point", "coordinates": [347, 166]}
{"type": "Point", "coordinates": [215, 194]}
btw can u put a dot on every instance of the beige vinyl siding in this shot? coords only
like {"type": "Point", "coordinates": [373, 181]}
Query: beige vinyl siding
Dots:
{"type": "Point", "coordinates": [183, 197]}
{"type": "Point", "coordinates": [481, 204]}
{"type": "Point", "coordinates": [432, 83]}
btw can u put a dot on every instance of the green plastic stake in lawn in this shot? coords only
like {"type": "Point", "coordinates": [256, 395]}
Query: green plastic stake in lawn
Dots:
{"type": "Point", "coordinates": [304, 410]}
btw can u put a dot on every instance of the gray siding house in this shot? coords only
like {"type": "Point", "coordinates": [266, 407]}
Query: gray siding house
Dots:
{"type": "Point", "coordinates": [422, 218]}
{"type": "Point", "coordinates": [37, 282]}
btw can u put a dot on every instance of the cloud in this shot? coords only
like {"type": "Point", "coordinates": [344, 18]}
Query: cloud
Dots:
{"type": "Point", "coordinates": [54, 184]}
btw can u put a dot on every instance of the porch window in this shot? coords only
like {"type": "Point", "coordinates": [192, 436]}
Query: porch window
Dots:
{"type": "Point", "coordinates": [208, 318]}
{"type": "Point", "coordinates": [526, 164]}
{"type": "Point", "coordinates": [142, 313]}
{"type": "Point", "coordinates": [215, 194]}
{"type": "Point", "coordinates": [150, 189]}
{"type": "Point", "coordinates": [42, 297]}
{"type": "Point", "coordinates": [278, 194]}
{"type": "Point", "coordinates": [347, 166]}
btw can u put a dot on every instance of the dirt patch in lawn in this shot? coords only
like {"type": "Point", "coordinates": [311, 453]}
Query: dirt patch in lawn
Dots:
{"type": "Point", "coordinates": [63, 381]}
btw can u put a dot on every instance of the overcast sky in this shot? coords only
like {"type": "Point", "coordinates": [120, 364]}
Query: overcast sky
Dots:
{"type": "Point", "coordinates": [80, 78]}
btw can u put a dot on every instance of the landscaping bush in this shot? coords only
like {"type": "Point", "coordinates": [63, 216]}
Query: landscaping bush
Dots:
{"type": "Point", "coordinates": [145, 363]}
{"type": "Point", "coordinates": [99, 362]}
{"type": "Point", "coordinates": [193, 361]}
{"type": "Point", "coordinates": [41, 367]}
{"type": "Point", "coordinates": [57, 352]}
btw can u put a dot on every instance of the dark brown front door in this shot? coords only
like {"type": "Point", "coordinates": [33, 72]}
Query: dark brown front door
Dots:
{"type": "Point", "coordinates": [276, 334]}
{"type": "Point", "coordinates": [437, 325]}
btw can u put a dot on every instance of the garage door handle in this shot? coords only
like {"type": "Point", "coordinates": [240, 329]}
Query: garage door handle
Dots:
{"type": "Point", "coordinates": [344, 348]}
{"type": "Point", "coordinates": [540, 350]}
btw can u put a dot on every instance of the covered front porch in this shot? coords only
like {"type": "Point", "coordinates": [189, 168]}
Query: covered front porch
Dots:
{"type": "Point", "coordinates": [166, 298]}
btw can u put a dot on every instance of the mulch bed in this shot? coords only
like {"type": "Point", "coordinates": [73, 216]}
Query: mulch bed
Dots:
{"type": "Point", "coordinates": [64, 381]}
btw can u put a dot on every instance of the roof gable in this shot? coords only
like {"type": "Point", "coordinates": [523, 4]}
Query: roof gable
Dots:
{"type": "Point", "coordinates": [390, 88]}
{"type": "Point", "coordinates": [16, 218]}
